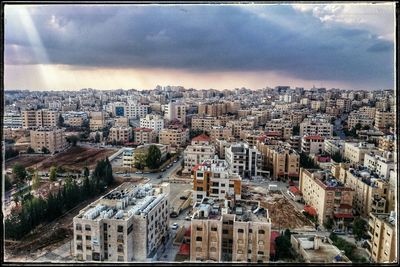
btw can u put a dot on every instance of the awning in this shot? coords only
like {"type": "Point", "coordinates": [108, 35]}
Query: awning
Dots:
{"type": "Point", "coordinates": [184, 249]}
{"type": "Point", "coordinates": [310, 210]}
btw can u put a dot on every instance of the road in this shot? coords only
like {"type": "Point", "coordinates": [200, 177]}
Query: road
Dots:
{"type": "Point", "coordinates": [338, 126]}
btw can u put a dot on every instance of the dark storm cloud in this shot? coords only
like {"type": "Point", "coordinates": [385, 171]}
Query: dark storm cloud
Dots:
{"type": "Point", "coordinates": [201, 38]}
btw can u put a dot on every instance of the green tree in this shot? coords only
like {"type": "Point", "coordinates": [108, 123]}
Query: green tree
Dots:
{"type": "Point", "coordinates": [30, 150]}
{"type": "Point", "coordinates": [45, 150]}
{"type": "Point", "coordinates": [153, 159]}
{"type": "Point", "coordinates": [97, 137]}
{"type": "Point", "coordinates": [366, 127]}
{"type": "Point", "coordinates": [337, 157]}
{"type": "Point", "coordinates": [283, 246]}
{"type": "Point", "coordinates": [86, 172]}
{"type": "Point", "coordinates": [7, 183]}
{"type": "Point", "coordinates": [329, 223]}
{"type": "Point", "coordinates": [296, 130]}
{"type": "Point", "coordinates": [60, 121]}
{"type": "Point", "coordinates": [35, 181]}
{"type": "Point", "coordinates": [53, 174]}
{"type": "Point", "coordinates": [359, 228]}
{"type": "Point", "coordinates": [20, 173]}
{"type": "Point", "coordinates": [10, 153]}
{"type": "Point", "coordinates": [73, 139]}
{"type": "Point", "coordinates": [140, 160]}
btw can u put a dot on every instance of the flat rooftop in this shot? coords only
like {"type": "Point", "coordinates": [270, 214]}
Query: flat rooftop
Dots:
{"type": "Point", "coordinates": [244, 210]}
{"type": "Point", "coordinates": [124, 202]}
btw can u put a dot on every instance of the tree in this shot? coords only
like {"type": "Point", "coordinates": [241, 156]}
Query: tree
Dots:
{"type": "Point", "coordinates": [45, 150]}
{"type": "Point", "coordinates": [337, 157]}
{"type": "Point", "coordinates": [35, 181]}
{"type": "Point", "coordinates": [30, 150]}
{"type": "Point", "coordinates": [366, 127]}
{"type": "Point", "coordinates": [296, 130]}
{"type": "Point", "coordinates": [73, 139]}
{"type": "Point", "coordinates": [7, 183]}
{"type": "Point", "coordinates": [60, 121]}
{"type": "Point", "coordinates": [97, 137]}
{"type": "Point", "coordinates": [359, 228]}
{"type": "Point", "coordinates": [140, 160]}
{"type": "Point", "coordinates": [86, 172]}
{"type": "Point", "coordinates": [329, 223]}
{"type": "Point", "coordinates": [153, 159]}
{"type": "Point", "coordinates": [10, 153]}
{"type": "Point", "coordinates": [283, 245]}
{"type": "Point", "coordinates": [53, 174]}
{"type": "Point", "coordinates": [20, 173]}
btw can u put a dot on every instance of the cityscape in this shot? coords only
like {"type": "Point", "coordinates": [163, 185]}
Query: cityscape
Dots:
{"type": "Point", "coordinates": [233, 133]}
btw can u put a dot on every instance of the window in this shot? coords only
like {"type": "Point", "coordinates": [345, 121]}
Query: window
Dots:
{"type": "Point", "coordinates": [79, 247]}
{"type": "Point", "coordinates": [213, 249]}
{"type": "Point", "coordinates": [199, 228]}
{"type": "Point", "coordinates": [250, 231]}
{"type": "Point", "coordinates": [199, 238]}
{"type": "Point", "coordinates": [88, 247]}
{"type": "Point", "coordinates": [260, 252]}
{"type": "Point", "coordinates": [249, 251]}
{"type": "Point", "coordinates": [87, 227]}
{"type": "Point", "coordinates": [224, 231]}
{"type": "Point", "coordinates": [88, 237]}
{"type": "Point", "coordinates": [120, 228]}
{"type": "Point", "coordinates": [213, 228]}
{"type": "Point", "coordinates": [130, 229]}
{"type": "Point", "coordinates": [120, 248]}
{"type": "Point", "coordinates": [120, 258]}
{"type": "Point", "coordinates": [78, 237]}
{"type": "Point", "coordinates": [261, 232]}
{"type": "Point", "coordinates": [198, 249]}
{"type": "Point", "coordinates": [240, 231]}
{"type": "Point", "coordinates": [78, 227]}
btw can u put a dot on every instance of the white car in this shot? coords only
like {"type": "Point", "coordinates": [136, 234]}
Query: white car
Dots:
{"type": "Point", "coordinates": [175, 226]}
{"type": "Point", "coordinates": [139, 172]}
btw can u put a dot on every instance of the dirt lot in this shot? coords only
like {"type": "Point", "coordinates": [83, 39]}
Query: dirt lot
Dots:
{"type": "Point", "coordinates": [282, 213]}
{"type": "Point", "coordinates": [76, 158]}
{"type": "Point", "coordinates": [26, 161]}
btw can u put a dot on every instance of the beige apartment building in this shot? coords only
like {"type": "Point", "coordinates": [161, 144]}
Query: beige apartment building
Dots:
{"type": "Point", "coordinates": [230, 231]}
{"type": "Point", "coordinates": [317, 249]}
{"type": "Point", "coordinates": [144, 135]}
{"type": "Point", "coordinates": [74, 121]}
{"type": "Point", "coordinates": [386, 143]}
{"type": "Point", "coordinates": [344, 104]}
{"type": "Point", "coordinates": [312, 144]}
{"type": "Point", "coordinates": [371, 194]}
{"type": "Point", "coordinates": [382, 247]}
{"type": "Point", "coordinates": [96, 120]}
{"type": "Point", "coordinates": [128, 224]}
{"type": "Point", "coordinates": [316, 127]}
{"type": "Point", "coordinates": [327, 196]}
{"type": "Point", "coordinates": [355, 152]}
{"type": "Point", "coordinates": [199, 151]}
{"type": "Point", "coordinates": [51, 138]}
{"type": "Point", "coordinates": [204, 123]}
{"type": "Point", "coordinates": [213, 178]}
{"type": "Point", "coordinates": [383, 120]}
{"type": "Point", "coordinates": [356, 117]}
{"type": "Point", "coordinates": [368, 111]}
{"type": "Point", "coordinates": [221, 132]}
{"type": "Point", "coordinates": [120, 134]}
{"type": "Point", "coordinates": [174, 137]}
{"type": "Point", "coordinates": [39, 118]}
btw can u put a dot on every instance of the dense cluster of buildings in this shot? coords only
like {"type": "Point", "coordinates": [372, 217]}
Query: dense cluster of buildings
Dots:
{"type": "Point", "coordinates": [228, 136]}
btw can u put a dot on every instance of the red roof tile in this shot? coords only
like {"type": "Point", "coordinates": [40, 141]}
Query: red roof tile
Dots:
{"type": "Point", "coordinates": [201, 137]}
{"type": "Point", "coordinates": [294, 190]}
{"type": "Point", "coordinates": [310, 210]}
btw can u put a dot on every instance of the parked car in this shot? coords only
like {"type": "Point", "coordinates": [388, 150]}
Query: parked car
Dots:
{"type": "Point", "coordinates": [188, 218]}
{"type": "Point", "coordinates": [159, 177]}
{"type": "Point", "coordinates": [138, 172]}
{"type": "Point", "coordinates": [175, 161]}
{"type": "Point", "coordinates": [183, 197]}
{"type": "Point", "coordinates": [338, 232]}
{"type": "Point", "coordinates": [164, 169]}
{"type": "Point", "coordinates": [175, 226]}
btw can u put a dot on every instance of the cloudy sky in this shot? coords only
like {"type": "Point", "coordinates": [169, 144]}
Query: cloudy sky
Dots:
{"type": "Point", "coordinates": [200, 46]}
